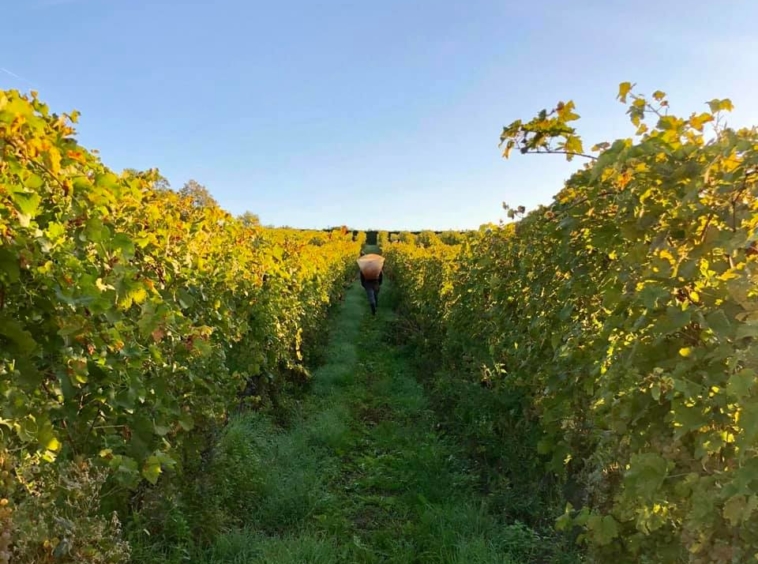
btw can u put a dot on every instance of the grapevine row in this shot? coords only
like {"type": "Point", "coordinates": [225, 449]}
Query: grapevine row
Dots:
{"type": "Point", "coordinates": [624, 315]}
{"type": "Point", "coordinates": [130, 318]}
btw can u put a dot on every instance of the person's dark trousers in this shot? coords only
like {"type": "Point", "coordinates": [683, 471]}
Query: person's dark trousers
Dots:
{"type": "Point", "coordinates": [373, 298]}
{"type": "Point", "coordinates": [372, 288]}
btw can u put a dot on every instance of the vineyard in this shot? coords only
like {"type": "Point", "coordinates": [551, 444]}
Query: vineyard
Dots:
{"type": "Point", "coordinates": [615, 330]}
{"type": "Point", "coordinates": [131, 322]}
{"type": "Point", "coordinates": [181, 385]}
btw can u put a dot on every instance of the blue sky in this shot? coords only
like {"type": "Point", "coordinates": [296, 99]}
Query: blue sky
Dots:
{"type": "Point", "coordinates": [372, 114]}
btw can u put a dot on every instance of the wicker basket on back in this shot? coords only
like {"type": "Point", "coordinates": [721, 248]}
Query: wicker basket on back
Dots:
{"type": "Point", "coordinates": [371, 266]}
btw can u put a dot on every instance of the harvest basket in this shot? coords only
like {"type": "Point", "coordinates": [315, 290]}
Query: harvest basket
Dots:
{"type": "Point", "coordinates": [371, 266]}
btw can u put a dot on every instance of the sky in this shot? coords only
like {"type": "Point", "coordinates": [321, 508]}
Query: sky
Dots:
{"type": "Point", "coordinates": [368, 114]}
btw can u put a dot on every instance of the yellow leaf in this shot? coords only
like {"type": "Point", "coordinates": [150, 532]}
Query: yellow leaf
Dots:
{"type": "Point", "coordinates": [138, 295]}
{"type": "Point", "coordinates": [685, 351]}
{"type": "Point", "coordinates": [665, 254]}
{"type": "Point", "coordinates": [54, 160]}
{"type": "Point", "coordinates": [53, 444]}
{"type": "Point", "coordinates": [624, 89]}
{"type": "Point", "coordinates": [697, 121]}
{"type": "Point", "coordinates": [717, 105]}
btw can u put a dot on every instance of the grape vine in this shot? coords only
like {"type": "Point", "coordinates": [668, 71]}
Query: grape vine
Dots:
{"type": "Point", "coordinates": [130, 315]}
{"type": "Point", "coordinates": [625, 313]}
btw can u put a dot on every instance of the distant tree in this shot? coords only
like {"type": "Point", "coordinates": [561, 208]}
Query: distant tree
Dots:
{"type": "Point", "coordinates": [250, 219]}
{"type": "Point", "coordinates": [199, 194]}
{"type": "Point", "coordinates": [160, 184]}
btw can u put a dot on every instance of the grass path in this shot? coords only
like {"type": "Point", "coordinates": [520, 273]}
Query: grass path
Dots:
{"type": "Point", "coordinates": [361, 475]}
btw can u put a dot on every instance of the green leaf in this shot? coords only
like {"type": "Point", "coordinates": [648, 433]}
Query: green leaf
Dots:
{"type": "Point", "coordinates": [124, 464]}
{"type": "Point", "coordinates": [646, 474]}
{"type": "Point", "coordinates": [675, 319]}
{"type": "Point", "coordinates": [563, 522]}
{"type": "Point", "coordinates": [746, 330]}
{"type": "Point", "coordinates": [651, 294]}
{"type": "Point", "coordinates": [151, 470]}
{"type": "Point", "coordinates": [16, 334]}
{"type": "Point", "coordinates": [165, 459]}
{"type": "Point", "coordinates": [55, 231]}
{"type": "Point", "coordinates": [124, 244]}
{"type": "Point", "coordinates": [718, 322]}
{"type": "Point", "coordinates": [47, 439]}
{"type": "Point", "coordinates": [688, 418]}
{"type": "Point", "coordinates": [33, 181]}
{"type": "Point", "coordinates": [185, 298]}
{"type": "Point", "coordinates": [186, 422]}
{"type": "Point", "coordinates": [545, 446]}
{"type": "Point", "coordinates": [736, 510]}
{"type": "Point", "coordinates": [30, 377]}
{"type": "Point", "coordinates": [27, 202]}
{"type": "Point", "coordinates": [741, 383]}
{"type": "Point", "coordinates": [749, 423]}
{"type": "Point", "coordinates": [603, 528]}
{"type": "Point", "coordinates": [95, 231]}
{"type": "Point", "coordinates": [161, 430]}
{"type": "Point", "coordinates": [9, 265]}
{"type": "Point", "coordinates": [27, 429]}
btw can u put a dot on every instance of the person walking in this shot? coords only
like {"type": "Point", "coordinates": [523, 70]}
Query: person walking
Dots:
{"type": "Point", "coordinates": [372, 288]}
{"type": "Point", "coordinates": [371, 266]}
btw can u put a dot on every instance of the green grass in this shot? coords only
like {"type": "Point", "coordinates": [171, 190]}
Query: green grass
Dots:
{"type": "Point", "coordinates": [361, 473]}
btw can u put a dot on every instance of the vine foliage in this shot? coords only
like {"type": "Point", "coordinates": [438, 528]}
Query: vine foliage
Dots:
{"type": "Point", "coordinates": [131, 315]}
{"type": "Point", "coordinates": [626, 315]}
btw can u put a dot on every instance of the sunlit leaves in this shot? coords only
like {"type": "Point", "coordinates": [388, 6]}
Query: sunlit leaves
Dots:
{"type": "Point", "coordinates": [624, 89]}
{"type": "Point", "coordinates": [717, 105]}
{"type": "Point", "coordinates": [131, 316]}
{"type": "Point", "coordinates": [27, 203]}
{"type": "Point", "coordinates": [697, 121]}
{"type": "Point", "coordinates": [626, 313]}
{"type": "Point", "coordinates": [572, 146]}
{"type": "Point", "coordinates": [546, 133]}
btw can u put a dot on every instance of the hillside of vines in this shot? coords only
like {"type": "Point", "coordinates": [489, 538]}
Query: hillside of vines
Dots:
{"type": "Point", "coordinates": [599, 353]}
{"type": "Point", "coordinates": [132, 323]}
{"type": "Point", "coordinates": [586, 373]}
